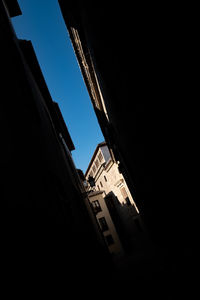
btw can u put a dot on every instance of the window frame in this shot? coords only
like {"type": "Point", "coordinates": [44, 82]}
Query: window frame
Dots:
{"type": "Point", "coordinates": [103, 224]}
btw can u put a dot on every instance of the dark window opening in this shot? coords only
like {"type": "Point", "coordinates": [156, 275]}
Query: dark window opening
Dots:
{"type": "Point", "coordinates": [96, 206]}
{"type": "Point", "coordinates": [109, 239]}
{"type": "Point", "coordinates": [128, 202]}
{"type": "Point", "coordinates": [103, 224]}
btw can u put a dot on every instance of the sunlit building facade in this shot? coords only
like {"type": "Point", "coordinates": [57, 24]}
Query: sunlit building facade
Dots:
{"type": "Point", "coordinates": [112, 202]}
{"type": "Point", "coordinates": [107, 177]}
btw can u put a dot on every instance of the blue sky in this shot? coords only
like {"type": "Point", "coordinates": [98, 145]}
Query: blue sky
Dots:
{"type": "Point", "coordinates": [42, 23]}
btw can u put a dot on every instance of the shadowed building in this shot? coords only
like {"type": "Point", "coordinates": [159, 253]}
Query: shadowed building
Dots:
{"type": "Point", "coordinates": [47, 232]}
{"type": "Point", "coordinates": [106, 223]}
{"type": "Point", "coordinates": [113, 204]}
{"type": "Point", "coordinates": [107, 177]}
{"type": "Point", "coordinates": [135, 61]}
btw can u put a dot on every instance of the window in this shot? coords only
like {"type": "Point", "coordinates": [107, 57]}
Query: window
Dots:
{"type": "Point", "coordinates": [101, 184]}
{"type": "Point", "coordinates": [91, 174]}
{"type": "Point", "coordinates": [94, 169]}
{"type": "Point", "coordinates": [100, 157]}
{"type": "Point", "coordinates": [103, 224]}
{"type": "Point", "coordinates": [96, 206]}
{"type": "Point", "coordinates": [109, 239]}
{"type": "Point", "coordinates": [97, 163]}
{"type": "Point", "coordinates": [125, 196]}
{"type": "Point", "coordinates": [124, 193]}
{"type": "Point", "coordinates": [98, 187]}
{"type": "Point", "coordinates": [105, 178]}
{"type": "Point", "coordinates": [96, 203]}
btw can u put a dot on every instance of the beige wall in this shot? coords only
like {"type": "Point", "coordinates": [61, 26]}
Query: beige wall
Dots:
{"type": "Point", "coordinates": [109, 182]}
{"type": "Point", "coordinates": [108, 178]}
{"type": "Point", "coordinates": [115, 248]}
